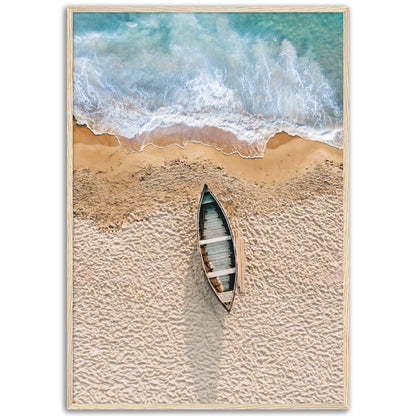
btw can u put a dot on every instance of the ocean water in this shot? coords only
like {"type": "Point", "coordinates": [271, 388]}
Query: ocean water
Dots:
{"type": "Point", "coordinates": [248, 75]}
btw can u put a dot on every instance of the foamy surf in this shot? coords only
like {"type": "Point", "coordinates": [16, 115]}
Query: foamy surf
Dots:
{"type": "Point", "coordinates": [224, 80]}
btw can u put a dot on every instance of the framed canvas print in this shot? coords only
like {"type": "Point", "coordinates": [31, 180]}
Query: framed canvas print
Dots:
{"type": "Point", "coordinates": [207, 208]}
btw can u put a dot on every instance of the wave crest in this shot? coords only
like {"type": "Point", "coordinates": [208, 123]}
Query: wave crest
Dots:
{"type": "Point", "coordinates": [185, 75]}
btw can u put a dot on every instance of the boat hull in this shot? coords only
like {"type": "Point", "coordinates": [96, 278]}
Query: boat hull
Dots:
{"type": "Point", "coordinates": [217, 248]}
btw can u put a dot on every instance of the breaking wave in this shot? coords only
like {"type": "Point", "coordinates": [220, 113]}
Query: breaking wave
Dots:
{"type": "Point", "coordinates": [216, 79]}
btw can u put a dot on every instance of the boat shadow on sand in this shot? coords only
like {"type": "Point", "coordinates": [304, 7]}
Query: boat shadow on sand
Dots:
{"type": "Point", "coordinates": [204, 321]}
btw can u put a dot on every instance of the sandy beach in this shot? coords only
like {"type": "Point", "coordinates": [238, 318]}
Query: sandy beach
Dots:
{"type": "Point", "coordinates": [146, 326]}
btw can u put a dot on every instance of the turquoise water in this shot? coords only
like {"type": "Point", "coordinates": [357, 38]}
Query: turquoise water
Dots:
{"type": "Point", "coordinates": [250, 74]}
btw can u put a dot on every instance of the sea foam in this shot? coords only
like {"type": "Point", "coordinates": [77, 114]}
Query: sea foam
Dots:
{"type": "Point", "coordinates": [145, 76]}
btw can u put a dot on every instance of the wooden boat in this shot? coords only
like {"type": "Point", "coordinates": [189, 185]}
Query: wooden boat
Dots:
{"type": "Point", "coordinates": [216, 244]}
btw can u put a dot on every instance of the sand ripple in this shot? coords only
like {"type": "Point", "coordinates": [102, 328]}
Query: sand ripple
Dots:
{"type": "Point", "coordinates": [147, 328]}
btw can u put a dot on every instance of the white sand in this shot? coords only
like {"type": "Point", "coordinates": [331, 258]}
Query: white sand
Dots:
{"type": "Point", "coordinates": [148, 329]}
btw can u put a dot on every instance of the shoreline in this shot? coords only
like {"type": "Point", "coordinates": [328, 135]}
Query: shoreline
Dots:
{"type": "Point", "coordinates": [284, 156]}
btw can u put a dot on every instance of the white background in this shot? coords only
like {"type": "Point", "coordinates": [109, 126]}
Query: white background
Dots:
{"type": "Point", "coordinates": [32, 204]}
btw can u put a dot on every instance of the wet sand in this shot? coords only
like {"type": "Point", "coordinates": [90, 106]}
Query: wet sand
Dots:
{"type": "Point", "coordinates": [147, 328]}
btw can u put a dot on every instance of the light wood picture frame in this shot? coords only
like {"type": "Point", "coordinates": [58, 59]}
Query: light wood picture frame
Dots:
{"type": "Point", "coordinates": [102, 220]}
